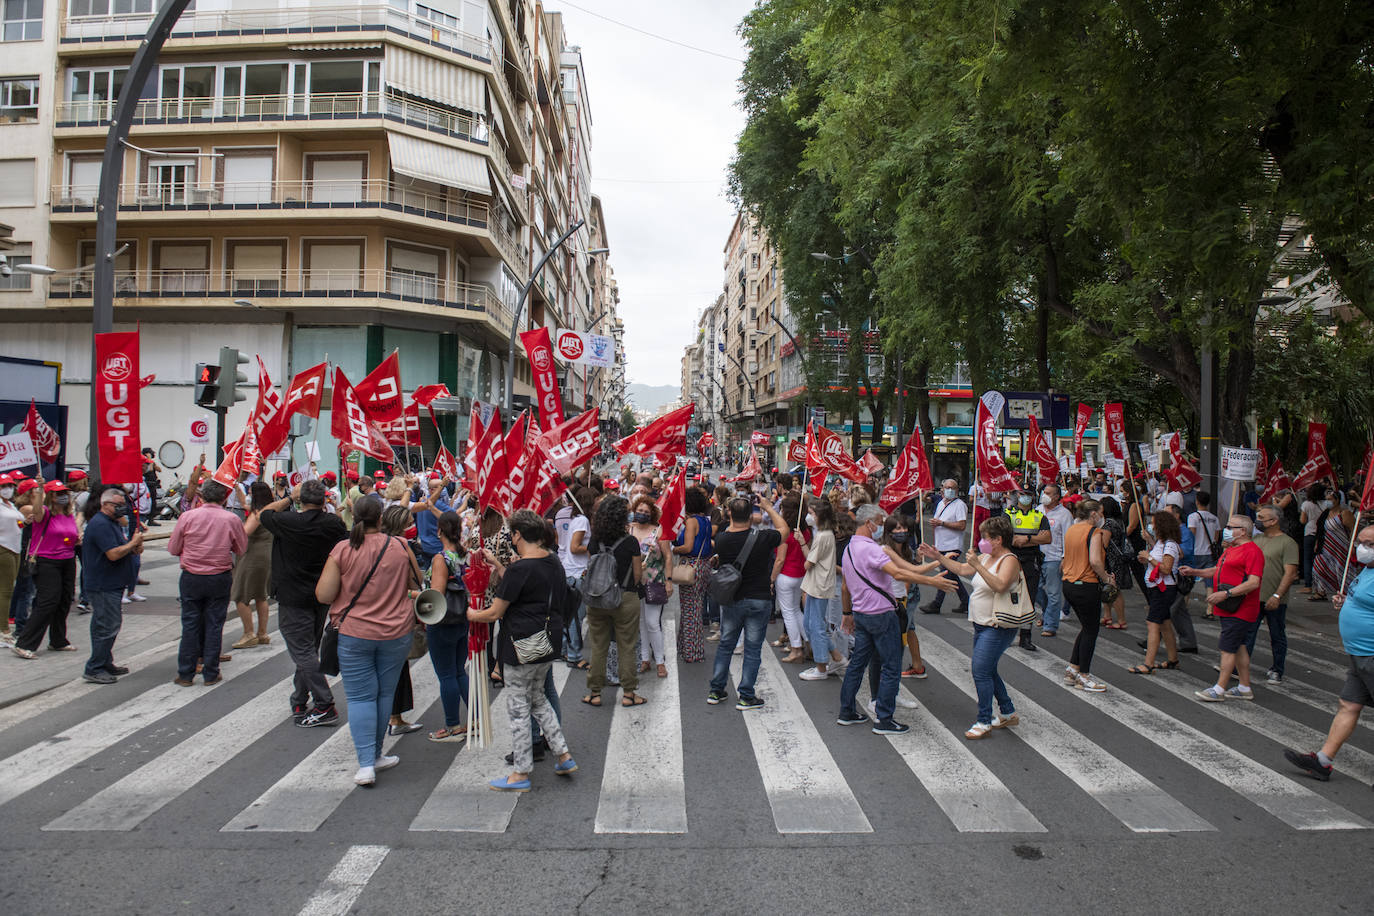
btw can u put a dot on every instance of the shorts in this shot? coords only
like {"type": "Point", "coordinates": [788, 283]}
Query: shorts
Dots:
{"type": "Point", "coordinates": [1359, 681]}
{"type": "Point", "coordinates": [1234, 633]}
{"type": "Point", "coordinates": [1159, 603]}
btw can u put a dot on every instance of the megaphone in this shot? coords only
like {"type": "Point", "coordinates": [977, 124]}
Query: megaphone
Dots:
{"type": "Point", "coordinates": [430, 606]}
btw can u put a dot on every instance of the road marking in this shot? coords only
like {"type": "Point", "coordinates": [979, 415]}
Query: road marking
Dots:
{"type": "Point", "coordinates": [305, 797]}
{"type": "Point", "coordinates": [341, 889]}
{"type": "Point", "coordinates": [1128, 796]}
{"type": "Point", "coordinates": [643, 787]}
{"type": "Point", "coordinates": [48, 758]}
{"type": "Point", "coordinates": [971, 796]}
{"type": "Point", "coordinates": [145, 791]}
{"type": "Point", "coordinates": [463, 802]}
{"type": "Point", "coordinates": [805, 787]}
{"type": "Point", "coordinates": [1295, 805]}
{"type": "Point", "coordinates": [1260, 719]}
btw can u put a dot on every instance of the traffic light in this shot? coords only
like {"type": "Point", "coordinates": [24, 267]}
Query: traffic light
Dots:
{"type": "Point", "coordinates": [207, 385]}
{"type": "Point", "coordinates": [230, 377]}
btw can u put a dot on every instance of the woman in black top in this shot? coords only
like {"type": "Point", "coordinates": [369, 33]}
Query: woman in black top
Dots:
{"type": "Point", "coordinates": [610, 532]}
{"type": "Point", "coordinates": [529, 599]}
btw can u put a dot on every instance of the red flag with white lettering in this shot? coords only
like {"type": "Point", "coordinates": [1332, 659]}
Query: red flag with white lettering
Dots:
{"type": "Point", "coordinates": [1367, 495]}
{"type": "Point", "coordinates": [825, 450]}
{"type": "Point", "coordinates": [476, 431]}
{"type": "Point", "coordinates": [404, 431]}
{"type": "Point", "coordinates": [446, 464]}
{"type": "Point", "coordinates": [1278, 482]}
{"type": "Point", "coordinates": [306, 391]}
{"type": "Point", "coordinates": [752, 469]}
{"type": "Point", "coordinates": [992, 470]}
{"type": "Point", "coordinates": [269, 420]}
{"type": "Point", "coordinates": [670, 506]}
{"type": "Point", "coordinates": [1318, 466]}
{"type": "Point", "coordinates": [45, 440]}
{"type": "Point", "coordinates": [428, 394]}
{"type": "Point", "coordinates": [352, 426]}
{"type": "Point", "coordinates": [545, 376]}
{"type": "Point", "coordinates": [1262, 472]}
{"type": "Point", "coordinates": [512, 482]}
{"type": "Point", "coordinates": [665, 436]}
{"type": "Point", "coordinates": [1080, 426]}
{"type": "Point", "coordinates": [1042, 454]}
{"type": "Point", "coordinates": [380, 392]}
{"type": "Point", "coordinates": [228, 471]}
{"type": "Point", "coordinates": [1115, 419]}
{"type": "Point", "coordinates": [910, 477]}
{"type": "Point", "coordinates": [572, 442]}
{"type": "Point", "coordinates": [490, 454]}
{"type": "Point", "coordinates": [870, 463]}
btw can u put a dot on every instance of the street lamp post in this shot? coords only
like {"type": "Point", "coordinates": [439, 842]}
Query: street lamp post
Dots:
{"type": "Point", "coordinates": [796, 347]}
{"type": "Point", "coordinates": [520, 307]}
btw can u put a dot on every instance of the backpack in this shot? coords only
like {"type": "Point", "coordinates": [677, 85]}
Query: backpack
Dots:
{"type": "Point", "coordinates": [456, 594]}
{"type": "Point", "coordinates": [722, 582]}
{"type": "Point", "coordinates": [601, 587]}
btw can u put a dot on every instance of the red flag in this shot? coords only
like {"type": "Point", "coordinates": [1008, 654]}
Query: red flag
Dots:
{"type": "Point", "coordinates": [752, 469]}
{"type": "Point", "coordinates": [269, 420]}
{"type": "Point", "coordinates": [1367, 495]}
{"type": "Point", "coordinates": [380, 392]}
{"type": "Point", "coordinates": [404, 431]}
{"type": "Point", "coordinates": [665, 436]}
{"type": "Point", "coordinates": [1278, 482]}
{"type": "Point", "coordinates": [1262, 472]}
{"type": "Point", "coordinates": [491, 461]}
{"type": "Point", "coordinates": [117, 407]}
{"type": "Point", "coordinates": [910, 476]}
{"type": "Point", "coordinates": [476, 431]}
{"type": "Point", "coordinates": [45, 440]}
{"type": "Point", "coordinates": [1115, 419]}
{"type": "Point", "coordinates": [351, 425]}
{"type": "Point", "coordinates": [572, 442]}
{"type": "Point", "coordinates": [306, 391]}
{"type": "Point", "coordinates": [870, 463]}
{"type": "Point", "coordinates": [545, 375]}
{"type": "Point", "coordinates": [446, 464]}
{"type": "Point", "coordinates": [670, 506]}
{"type": "Point", "coordinates": [548, 488]}
{"type": "Point", "coordinates": [1042, 454]}
{"type": "Point", "coordinates": [428, 394]}
{"type": "Point", "coordinates": [228, 471]}
{"type": "Point", "coordinates": [992, 470]}
{"type": "Point", "coordinates": [1318, 466]}
{"type": "Point", "coordinates": [708, 439]}
{"type": "Point", "coordinates": [1080, 426]}
{"type": "Point", "coordinates": [519, 467]}
{"type": "Point", "coordinates": [825, 449]}
{"type": "Point", "coordinates": [250, 453]}
{"type": "Point", "coordinates": [796, 451]}
{"type": "Point", "coordinates": [758, 438]}
{"type": "Point", "coordinates": [818, 482]}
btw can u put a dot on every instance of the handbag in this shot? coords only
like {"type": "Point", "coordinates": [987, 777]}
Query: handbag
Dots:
{"type": "Point", "coordinates": [655, 593]}
{"type": "Point", "coordinates": [1007, 607]}
{"type": "Point", "coordinates": [329, 640]}
{"type": "Point", "coordinates": [31, 560]}
{"type": "Point", "coordinates": [419, 643]}
{"type": "Point", "coordinates": [537, 646]}
{"type": "Point", "coordinates": [683, 574]}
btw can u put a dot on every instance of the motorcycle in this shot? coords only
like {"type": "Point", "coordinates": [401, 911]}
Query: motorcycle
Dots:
{"type": "Point", "coordinates": [169, 503]}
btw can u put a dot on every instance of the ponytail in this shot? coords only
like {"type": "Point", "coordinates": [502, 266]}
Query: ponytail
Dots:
{"type": "Point", "coordinates": [367, 513]}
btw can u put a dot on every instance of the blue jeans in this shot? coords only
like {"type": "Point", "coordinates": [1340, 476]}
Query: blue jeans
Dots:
{"type": "Point", "coordinates": [1309, 553]}
{"type": "Point", "coordinates": [749, 616]}
{"type": "Point", "coordinates": [710, 611]}
{"type": "Point", "coordinates": [878, 633]}
{"type": "Point", "coordinates": [448, 653]}
{"type": "Point", "coordinates": [107, 615]}
{"type": "Point", "coordinates": [370, 669]}
{"type": "Point", "coordinates": [21, 601]}
{"type": "Point", "coordinates": [572, 633]}
{"type": "Point", "coordinates": [204, 602]}
{"type": "Point", "coordinates": [988, 645]}
{"type": "Point", "coordinates": [1050, 594]}
{"type": "Point", "coordinates": [1278, 635]}
{"type": "Point", "coordinates": [817, 629]}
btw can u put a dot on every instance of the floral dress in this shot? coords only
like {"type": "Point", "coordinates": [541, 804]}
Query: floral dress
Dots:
{"type": "Point", "coordinates": [691, 638]}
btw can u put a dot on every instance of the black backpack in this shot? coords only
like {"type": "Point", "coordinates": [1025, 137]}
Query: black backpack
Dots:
{"type": "Point", "coordinates": [601, 586]}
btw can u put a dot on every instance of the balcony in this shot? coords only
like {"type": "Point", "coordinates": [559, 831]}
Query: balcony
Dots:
{"type": "Point", "coordinates": [315, 288]}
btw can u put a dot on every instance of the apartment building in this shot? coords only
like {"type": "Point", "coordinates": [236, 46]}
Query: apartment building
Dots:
{"type": "Point", "coordinates": [302, 180]}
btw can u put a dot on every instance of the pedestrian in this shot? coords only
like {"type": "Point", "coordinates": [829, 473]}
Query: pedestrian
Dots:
{"type": "Point", "coordinates": [1355, 610]}
{"type": "Point", "coordinates": [574, 532]}
{"type": "Point", "coordinates": [1050, 595]}
{"type": "Point", "coordinates": [1281, 568]}
{"type": "Point", "coordinates": [529, 601]}
{"type": "Point", "coordinates": [151, 482]}
{"type": "Point", "coordinates": [395, 520]}
{"type": "Point", "coordinates": [27, 494]}
{"type": "Point", "coordinates": [751, 551]}
{"type": "Point", "coordinates": [12, 525]}
{"type": "Point", "coordinates": [995, 570]}
{"type": "Point", "coordinates": [53, 547]}
{"type": "Point", "coordinates": [656, 561]}
{"type": "Point", "coordinates": [105, 553]}
{"type": "Point", "coordinates": [253, 571]}
{"type": "Point", "coordinates": [1333, 546]}
{"type": "Point", "coordinates": [1207, 539]}
{"type": "Point", "coordinates": [427, 512]}
{"type": "Point", "coordinates": [789, 567]}
{"type": "Point", "coordinates": [948, 524]}
{"type": "Point", "coordinates": [818, 585]}
{"type": "Point", "coordinates": [693, 548]}
{"type": "Point", "coordinates": [301, 543]}
{"type": "Point", "coordinates": [1032, 532]}
{"type": "Point", "coordinates": [610, 535]}
{"type": "Point", "coordinates": [448, 639]}
{"type": "Point", "coordinates": [207, 539]}
{"type": "Point", "coordinates": [1236, 602]}
{"type": "Point", "coordinates": [1083, 571]}
{"type": "Point", "coordinates": [1162, 561]}
{"type": "Point", "coordinates": [369, 583]}
{"type": "Point", "coordinates": [1309, 514]}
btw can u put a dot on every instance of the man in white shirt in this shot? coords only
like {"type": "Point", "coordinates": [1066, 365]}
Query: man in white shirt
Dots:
{"type": "Point", "coordinates": [949, 524]}
{"type": "Point", "coordinates": [1206, 530]}
{"type": "Point", "coordinates": [574, 536]}
{"type": "Point", "coordinates": [1050, 594]}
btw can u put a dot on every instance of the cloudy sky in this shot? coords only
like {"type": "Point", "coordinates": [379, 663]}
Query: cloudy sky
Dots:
{"type": "Point", "coordinates": [664, 123]}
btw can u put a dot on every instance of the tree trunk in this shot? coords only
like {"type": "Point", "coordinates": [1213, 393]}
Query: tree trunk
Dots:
{"type": "Point", "coordinates": [1042, 340]}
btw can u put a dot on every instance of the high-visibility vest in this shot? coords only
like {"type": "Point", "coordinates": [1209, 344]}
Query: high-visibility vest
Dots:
{"type": "Point", "coordinates": [1026, 522]}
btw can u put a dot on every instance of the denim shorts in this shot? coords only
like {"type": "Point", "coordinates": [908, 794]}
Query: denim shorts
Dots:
{"type": "Point", "coordinates": [1359, 681]}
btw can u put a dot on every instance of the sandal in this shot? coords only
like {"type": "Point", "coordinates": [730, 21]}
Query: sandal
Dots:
{"type": "Point", "coordinates": [1169, 666]}
{"type": "Point", "coordinates": [457, 733]}
{"type": "Point", "coordinates": [633, 699]}
{"type": "Point", "coordinates": [22, 653]}
{"type": "Point", "coordinates": [246, 642]}
{"type": "Point", "coordinates": [1142, 669]}
{"type": "Point", "coordinates": [592, 699]}
{"type": "Point", "coordinates": [662, 670]}
{"type": "Point", "coordinates": [583, 665]}
{"type": "Point", "coordinates": [1116, 626]}
{"type": "Point", "coordinates": [1105, 622]}
{"type": "Point", "coordinates": [644, 667]}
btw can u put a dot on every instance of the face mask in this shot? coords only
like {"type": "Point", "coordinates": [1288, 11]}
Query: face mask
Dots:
{"type": "Point", "coordinates": [1024, 499]}
{"type": "Point", "coordinates": [1228, 535]}
{"type": "Point", "coordinates": [7, 492]}
{"type": "Point", "coordinates": [640, 518]}
{"type": "Point", "coordinates": [1046, 499]}
{"type": "Point", "coordinates": [810, 520]}
{"type": "Point", "coordinates": [62, 500]}
{"type": "Point", "coordinates": [951, 493]}
{"type": "Point", "coordinates": [899, 537]}
{"type": "Point", "coordinates": [122, 511]}
{"type": "Point", "coordinates": [984, 545]}
{"type": "Point", "coordinates": [1364, 554]}
{"type": "Point", "coordinates": [1151, 529]}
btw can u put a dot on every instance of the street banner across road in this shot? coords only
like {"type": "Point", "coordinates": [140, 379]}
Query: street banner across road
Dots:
{"type": "Point", "coordinates": [589, 349]}
{"type": "Point", "coordinates": [117, 407]}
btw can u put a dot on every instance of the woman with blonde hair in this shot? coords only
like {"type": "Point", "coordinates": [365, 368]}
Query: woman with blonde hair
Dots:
{"type": "Point", "coordinates": [657, 563]}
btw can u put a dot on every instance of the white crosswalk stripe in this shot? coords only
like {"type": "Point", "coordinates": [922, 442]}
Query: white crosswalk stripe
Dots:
{"type": "Point", "coordinates": [346, 882]}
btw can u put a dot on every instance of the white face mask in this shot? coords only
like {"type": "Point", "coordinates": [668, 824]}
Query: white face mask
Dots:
{"type": "Point", "coordinates": [6, 492]}
{"type": "Point", "coordinates": [951, 493]}
{"type": "Point", "coordinates": [1046, 499]}
{"type": "Point", "coordinates": [810, 520]}
{"type": "Point", "coordinates": [1364, 554]}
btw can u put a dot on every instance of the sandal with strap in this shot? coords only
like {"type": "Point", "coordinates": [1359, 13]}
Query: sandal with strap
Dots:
{"type": "Point", "coordinates": [633, 699]}
{"type": "Point", "coordinates": [1142, 669]}
{"type": "Point", "coordinates": [1169, 666]}
{"type": "Point", "coordinates": [592, 699]}
{"type": "Point", "coordinates": [457, 733]}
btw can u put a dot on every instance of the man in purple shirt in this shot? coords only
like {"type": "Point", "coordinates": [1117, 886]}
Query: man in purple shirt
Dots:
{"type": "Point", "coordinates": [870, 613]}
{"type": "Point", "coordinates": [206, 539]}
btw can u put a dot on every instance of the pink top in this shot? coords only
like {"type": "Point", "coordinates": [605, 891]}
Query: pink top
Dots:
{"type": "Point", "coordinates": [383, 610]}
{"type": "Point", "coordinates": [55, 537]}
{"type": "Point", "coordinates": [864, 559]}
{"type": "Point", "coordinates": [206, 539]}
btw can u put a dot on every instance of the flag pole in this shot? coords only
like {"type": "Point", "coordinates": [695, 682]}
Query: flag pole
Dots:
{"type": "Point", "coordinates": [1358, 515]}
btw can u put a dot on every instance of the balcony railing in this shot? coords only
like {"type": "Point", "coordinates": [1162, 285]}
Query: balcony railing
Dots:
{"type": "Point", "coordinates": [207, 285]}
{"type": "Point", "coordinates": [311, 19]}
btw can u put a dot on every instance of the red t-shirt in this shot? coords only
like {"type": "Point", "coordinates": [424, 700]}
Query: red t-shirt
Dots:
{"type": "Point", "coordinates": [794, 563]}
{"type": "Point", "coordinates": [1237, 564]}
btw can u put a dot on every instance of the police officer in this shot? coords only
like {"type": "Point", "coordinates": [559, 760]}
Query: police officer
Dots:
{"type": "Point", "coordinates": [1032, 530]}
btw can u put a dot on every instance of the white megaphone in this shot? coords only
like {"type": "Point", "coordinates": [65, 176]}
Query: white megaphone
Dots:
{"type": "Point", "coordinates": [430, 606]}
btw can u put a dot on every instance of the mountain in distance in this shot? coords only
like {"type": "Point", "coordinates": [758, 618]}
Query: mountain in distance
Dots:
{"type": "Point", "coordinates": [651, 398]}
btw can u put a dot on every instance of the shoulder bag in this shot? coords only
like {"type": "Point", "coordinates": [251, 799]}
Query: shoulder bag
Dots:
{"type": "Point", "coordinates": [722, 582]}
{"type": "Point", "coordinates": [896, 606]}
{"type": "Point", "coordinates": [1232, 603]}
{"type": "Point", "coordinates": [1213, 549]}
{"type": "Point", "coordinates": [1007, 607]}
{"type": "Point", "coordinates": [329, 641]}
{"type": "Point", "coordinates": [538, 645]}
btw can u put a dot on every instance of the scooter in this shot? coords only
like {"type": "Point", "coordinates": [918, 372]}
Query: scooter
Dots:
{"type": "Point", "coordinates": [169, 503]}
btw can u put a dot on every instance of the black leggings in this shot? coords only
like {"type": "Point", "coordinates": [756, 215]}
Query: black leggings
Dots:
{"type": "Point", "coordinates": [55, 581]}
{"type": "Point", "coordinates": [1086, 600]}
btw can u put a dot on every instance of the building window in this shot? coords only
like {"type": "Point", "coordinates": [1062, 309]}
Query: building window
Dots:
{"type": "Point", "coordinates": [414, 272]}
{"type": "Point", "coordinates": [181, 267]}
{"type": "Point", "coordinates": [246, 175]}
{"type": "Point", "coordinates": [256, 267]}
{"type": "Point", "coordinates": [126, 279]}
{"type": "Point", "coordinates": [21, 253]}
{"type": "Point", "coordinates": [336, 178]}
{"type": "Point", "coordinates": [77, 8]}
{"type": "Point", "coordinates": [22, 20]}
{"type": "Point", "coordinates": [19, 98]}
{"type": "Point", "coordinates": [333, 266]}
{"type": "Point", "coordinates": [16, 182]}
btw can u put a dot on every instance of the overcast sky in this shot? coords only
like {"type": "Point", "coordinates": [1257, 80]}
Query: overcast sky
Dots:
{"type": "Point", "coordinates": [664, 124]}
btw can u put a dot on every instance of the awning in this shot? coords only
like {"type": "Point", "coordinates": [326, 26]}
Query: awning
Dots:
{"type": "Point", "coordinates": [437, 80]}
{"type": "Point", "coordinates": [445, 165]}
{"type": "Point", "coordinates": [337, 46]}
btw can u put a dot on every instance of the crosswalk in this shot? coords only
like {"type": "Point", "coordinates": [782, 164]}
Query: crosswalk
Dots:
{"type": "Point", "coordinates": [1120, 753]}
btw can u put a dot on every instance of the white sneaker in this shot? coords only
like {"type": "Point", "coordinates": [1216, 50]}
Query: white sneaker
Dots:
{"type": "Point", "coordinates": [386, 762]}
{"type": "Point", "coordinates": [872, 710]}
{"type": "Point", "coordinates": [135, 596]}
{"type": "Point", "coordinates": [365, 776]}
{"type": "Point", "coordinates": [814, 674]}
{"type": "Point", "coordinates": [905, 702]}
{"type": "Point", "coordinates": [1090, 684]}
{"type": "Point", "coordinates": [124, 600]}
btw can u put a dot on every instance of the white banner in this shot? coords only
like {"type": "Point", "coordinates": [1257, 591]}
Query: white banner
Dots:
{"type": "Point", "coordinates": [1152, 463]}
{"type": "Point", "coordinates": [582, 347]}
{"type": "Point", "coordinates": [1145, 451]}
{"type": "Point", "coordinates": [1239, 463]}
{"type": "Point", "coordinates": [1066, 464]}
{"type": "Point", "coordinates": [16, 451]}
{"type": "Point", "coordinates": [199, 431]}
{"type": "Point", "coordinates": [1116, 467]}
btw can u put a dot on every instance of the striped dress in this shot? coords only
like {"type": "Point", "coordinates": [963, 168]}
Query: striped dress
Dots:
{"type": "Point", "coordinates": [1330, 563]}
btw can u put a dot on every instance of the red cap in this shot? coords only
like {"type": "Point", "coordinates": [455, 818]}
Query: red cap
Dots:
{"type": "Point", "coordinates": [613, 484]}
{"type": "Point", "coordinates": [353, 476]}
{"type": "Point", "coordinates": [76, 475]}
{"type": "Point", "coordinates": [6, 480]}
{"type": "Point", "coordinates": [54, 486]}
{"type": "Point", "coordinates": [18, 475]}
{"type": "Point", "coordinates": [329, 476]}
{"type": "Point", "coordinates": [280, 475]}
{"type": "Point", "coordinates": [26, 485]}
{"type": "Point", "coordinates": [379, 475]}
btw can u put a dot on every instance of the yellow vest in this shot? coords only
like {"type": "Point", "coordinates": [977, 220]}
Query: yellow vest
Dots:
{"type": "Point", "coordinates": [1026, 522]}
